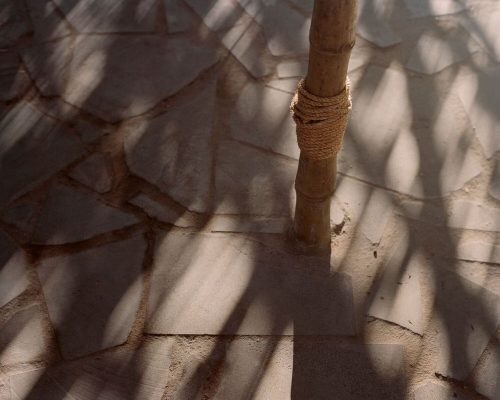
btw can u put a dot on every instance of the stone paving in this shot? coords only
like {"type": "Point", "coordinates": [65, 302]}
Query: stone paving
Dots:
{"type": "Point", "coordinates": [147, 161]}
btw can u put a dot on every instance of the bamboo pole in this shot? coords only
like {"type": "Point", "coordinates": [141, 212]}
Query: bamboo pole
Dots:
{"type": "Point", "coordinates": [331, 37]}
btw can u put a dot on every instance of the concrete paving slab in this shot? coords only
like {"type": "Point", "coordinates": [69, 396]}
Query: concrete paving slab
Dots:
{"type": "Point", "coordinates": [411, 130]}
{"type": "Point", "coordinates": [262, 118]}
{"type": "Point", "coordinates": [480, 98]}
{"type": "Point", "coordinates": [23, 337]}
{"type": "Point", "coordinates": [249, 181]}
{"type": "Point", "coordinates": [124, 374]}
{"type": "Point", "coordinates": [93, 295]}
{"type": "Point", "coordinates": [72, 216]}
{"type": "Point", "coordinates": [466, 317]}
{"type": "Point", "coordinates": [96, 16]}
{"type": "Point", "coordinates": [27, 147]}
{"type": "Point", "coordinates": [226, 284]}
{"type": "Point", "coordinates": [13, 263]}
{"type": "Point", "coordinates": [94, 172]}
{"type": "Point", "coordinates": [178, 164]}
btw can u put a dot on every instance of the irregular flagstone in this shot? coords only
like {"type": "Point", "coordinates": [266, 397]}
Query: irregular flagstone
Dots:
{"type": "Point", "coordinates": [487, 377]}
{"type": "Point", "coordinates": [286, 30]}
{"type": "Point", "coordinates": [290, 69]}
{"type": "Point", "coordinates": [21, 215]}
{"type": "Point", "coordinates": [485, 275]}
{"type": "Point", "coordinates": [249, 181]}
{"type": "Point", "coordinates": [350, 371]}
{"type": "Point", "coordinates": [434, 8]}
{"type": "Point", "coordinates": [179, 164]}
{"type": "Point", "coordinates": [13, 262]}
{"type": "Point", "coordinates": [368, 207]}
{"type": "Point", "coordinates": [433, 53]}
{"type": "Point", "coordinates": [461, 214]}
{"type": "Point", "coordinates": [482, 24]}
{"type": "Point", "coordinates": [306, 5]}
{"type": "Point", "coordinates": [494, 187]}
{"type": "Point", "coordinates": [107, 75]}
{"type": "Point", "coordinates": [372, 26]}
{"type": "Point", "coordinates": [23, 337]}
{"type": "Point", "coordinates": [123, 374]}
{"type": "Point", "coordinates": [98, 16]}
{"type": "Point", "coordinates": [49, 65]}
{"type": "Point", "coordinates": [399, 156]}
{"type": "Point", "coordinates": [288, 85]}
{"type": "Point", "coordinates": [235, 223]}
{"type": "Point", "coordinates": [397, 298]}
{"type": "Point", "coordinates": [236, 32]}
{"type": "Point", "coordinates": [47, 24]}
{"type": "Point", "coordinates": [111, 79]}
{"type": "Point", "coordinates": [479, 251]}
{"type": "Point", "coordinates": [161, 211]}
{"type": "Point", "coordinates": [4, 391]}
{"type": "Point", "coordinates": [480, 98]}
{"type": "Point", "coordinates": [225, 284]}
{"type": "Point", "coordinates": [13, 22]}
{"type": "Point", "coordinates": [28, 146]}
{"type": "Point", "coordinates": [93, 295]}
{"type": "Point", "coordinates": [262, 118]}
{"type": "Point", "coordinates": [440, 391]}
{"type": "Point", "coordinates": [466, 316]}
{"type": "Point", "coordinates": [13, 81]}
{"type": "Point", "coordinates": [94, 172]}
{"type": "Point", "coordinates": [247, 44]}
{"type": "Point", "coordinates": [71, 216]}
{"type": "Point", "coordinates": [178, 19]}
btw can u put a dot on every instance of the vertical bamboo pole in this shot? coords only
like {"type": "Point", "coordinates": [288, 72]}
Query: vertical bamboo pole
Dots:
{"type": "Point", "coordinates": [332, 36]}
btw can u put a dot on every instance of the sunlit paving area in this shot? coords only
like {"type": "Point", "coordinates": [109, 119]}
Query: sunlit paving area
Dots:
{"type": "Point", "coordinates": [147, 168]}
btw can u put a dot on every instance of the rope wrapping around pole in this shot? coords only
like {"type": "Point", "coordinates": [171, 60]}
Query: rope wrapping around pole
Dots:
{"type": "Point", "coordinates": [321, 121]}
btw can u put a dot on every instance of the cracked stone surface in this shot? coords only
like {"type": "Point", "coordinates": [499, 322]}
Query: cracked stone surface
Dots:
{"type": "Point", "coordinates": [394, 157]}
{"type": "Point", "coordinates": [466, 317]}
{"type": "Point", "coordinates": [108, 76]}
{"type": "Point", "coordinates": [179, 164]}
{"type": "Point", "coordinates": [93, 296]}
{"type": "Point", "coordinates": [239, 296]}
{"type": "Point", "coordinates": [121, 374]}
{"type": "Point", "coordinates": [94, 172]}
{"type": "Point", "coordinates": [13, 280]}
{"type": "Point", "coordinates": [28, 142]}
{"type": "Point", "coordinates": [21, 215]}
{"type": "Point", "coordinates": [71, 216]}
{"type": "Point", "coordinates": [434, 8]}
{"type": "Point", "coordinates": [13, 23]}
{"type": "Point", "coordinates": [47, 23]}
{"type": "Point", "coordinates": [23, 337]}
{"type": "Point", "coordinates": [397, 298]}
{"type": "Point", "coordinates": [129, 16]}
{"type": "Point", "coordinates": [13, 81]}
{"type": "Point", "coordinates": [480, 99]}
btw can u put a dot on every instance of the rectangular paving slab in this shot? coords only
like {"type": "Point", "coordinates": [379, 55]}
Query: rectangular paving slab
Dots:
{"type": "Point", "coordinates": [226, 284]}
